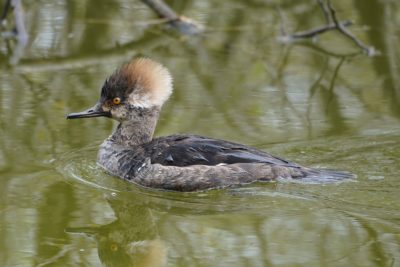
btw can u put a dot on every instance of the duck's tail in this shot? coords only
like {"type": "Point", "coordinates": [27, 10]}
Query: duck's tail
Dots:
{"type": "Point", "coordinates": [268, 172]}
{"type": "Point", "coordinates": [315, 175]}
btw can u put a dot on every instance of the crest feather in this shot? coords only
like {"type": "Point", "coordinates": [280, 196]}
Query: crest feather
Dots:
{"type": "Point", "coordinates": [151, 81]}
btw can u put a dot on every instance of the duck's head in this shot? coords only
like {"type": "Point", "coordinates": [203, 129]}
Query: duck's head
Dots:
{"type": "Point", "coordinates": [134, 88]}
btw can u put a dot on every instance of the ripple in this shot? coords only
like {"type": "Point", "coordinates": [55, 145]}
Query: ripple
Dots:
{"type": "Point", "coordinates": [80, 166]}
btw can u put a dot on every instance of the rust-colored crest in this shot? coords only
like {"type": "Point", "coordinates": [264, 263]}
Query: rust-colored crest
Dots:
{"type": "Point", "coordinates": [142, 81]}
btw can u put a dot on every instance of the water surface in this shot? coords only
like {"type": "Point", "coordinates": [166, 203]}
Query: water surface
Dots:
{"type": "Point", "coordinates": [316, 102]}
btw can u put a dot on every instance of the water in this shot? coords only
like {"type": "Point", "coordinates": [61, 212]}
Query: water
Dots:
{"type": "Point", "coordinates": [332, 109]}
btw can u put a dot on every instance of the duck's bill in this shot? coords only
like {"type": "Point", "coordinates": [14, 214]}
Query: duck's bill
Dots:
{"type": "Point", "coordinates": [95, 111]}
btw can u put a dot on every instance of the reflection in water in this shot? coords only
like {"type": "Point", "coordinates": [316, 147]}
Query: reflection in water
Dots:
{"type": "Point", "coordinates": [332, 104]}
{"type": "Point", "coordinates": [263, 225]}
{"type": "Point", "coordinates": [318, 102]}
{"type": "Point", "coordinates": [222, 226]}
{"type": "Point", "coordinates": [14, 11]}
{"type": "Point", "coordinates": [54, 212]}
{"type": "Point", "coordinates": [383, 35]}
{"type": "Point", "coordinates": [130, 240]}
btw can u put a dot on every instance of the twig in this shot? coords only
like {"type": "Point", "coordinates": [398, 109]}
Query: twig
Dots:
{"type": "Point", "coordinates": [327, 52]}
{"type": "Point", "coordinates": [325, 11]}
{"type": "Point", "coordinates": [162, 9]}
{"type": "Point", "coordinates": [370, 51]}
{"type": "Point", "coordinates": [22, 35]}
{"type": "Point", "coordinates": [282, 24]}
{"type": "Point", "coordinates": [313, 32]}
{"type": "Point", "coordinates": [7, 6]}
{"type": "Point", "coordinates": [332, 24]}
{"type": "Point", "coordinates": [181, 23]}
{"type": "Point", "coordinates": [60, 254]}
{"type": "Point", "coordinates": [19, 29]}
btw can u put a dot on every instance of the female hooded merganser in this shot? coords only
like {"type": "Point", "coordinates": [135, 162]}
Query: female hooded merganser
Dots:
{"type": "Point", "coordinates": [134, 95]}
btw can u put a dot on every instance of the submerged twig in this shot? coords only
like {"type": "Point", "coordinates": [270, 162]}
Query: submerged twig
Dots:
{"type": "Point", "coordinates": [181, 23]}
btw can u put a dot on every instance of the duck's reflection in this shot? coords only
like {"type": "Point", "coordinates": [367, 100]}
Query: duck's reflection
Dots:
{"type": "Point", "coordinates": [131, 240]}
{"type": "Point", "coordinates": [197, 230]}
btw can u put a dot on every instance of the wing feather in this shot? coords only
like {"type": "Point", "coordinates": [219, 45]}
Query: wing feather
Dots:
{"type": "Point", "coordinates": [186, 150]}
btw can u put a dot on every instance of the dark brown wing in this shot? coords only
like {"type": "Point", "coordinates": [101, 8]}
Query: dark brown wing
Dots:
{"type": "Point", "coordinates": [185, 150]}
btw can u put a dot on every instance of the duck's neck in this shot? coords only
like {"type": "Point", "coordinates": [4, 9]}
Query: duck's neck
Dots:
{"type": "Point", "coordinates": [137, 130]}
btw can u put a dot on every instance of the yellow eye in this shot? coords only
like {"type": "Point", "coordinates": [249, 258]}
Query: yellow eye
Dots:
{"type": "Point", "coordinates": [116, 101]}
{"type": "Point", "coordinates": [114, 247]}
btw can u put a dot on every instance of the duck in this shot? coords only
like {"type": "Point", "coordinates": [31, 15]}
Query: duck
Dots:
{"type": "Point", "coordinates": [133, 95]}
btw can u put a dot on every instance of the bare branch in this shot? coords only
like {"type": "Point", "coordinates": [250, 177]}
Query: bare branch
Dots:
{"type": "Point", "coordinates": [7, 6]}
{"type": "Point", "coordinates": [22, 35]}
{"type": "Point", "coordinates": [325, 11]}
{"type": "Point", "coordinates": [370, 51]}
{"type": "Point", "coordinates": [313, 32]}
{"type": "Point", "coordinates": [323, 51]}
{"type": "Point", "coordinates": [332, 24]}
{"type": "Point", "coordinates": [181, 23]}
{"type": "Point", "coordinates": [162, 9]}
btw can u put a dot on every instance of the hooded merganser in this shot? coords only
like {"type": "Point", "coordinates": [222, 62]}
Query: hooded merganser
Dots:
{"type": "Point", "coordinates": [134, 95]}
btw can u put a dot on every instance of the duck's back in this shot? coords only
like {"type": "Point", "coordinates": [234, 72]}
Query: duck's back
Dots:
{"type": "Point", "coordinates": [186, 150]}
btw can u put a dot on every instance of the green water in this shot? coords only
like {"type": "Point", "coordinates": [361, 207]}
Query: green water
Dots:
{"type": "Point", "coordinates": [314, 102]}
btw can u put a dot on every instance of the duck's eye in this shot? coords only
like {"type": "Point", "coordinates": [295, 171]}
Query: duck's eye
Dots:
{"type": "Point", "coordinates": [116, 101]}
{"type": "Point", "coordinates": [114, 247]}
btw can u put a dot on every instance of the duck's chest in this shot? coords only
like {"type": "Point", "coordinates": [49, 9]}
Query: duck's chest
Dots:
{"type": "Point", "coordinates": [120, 161]}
